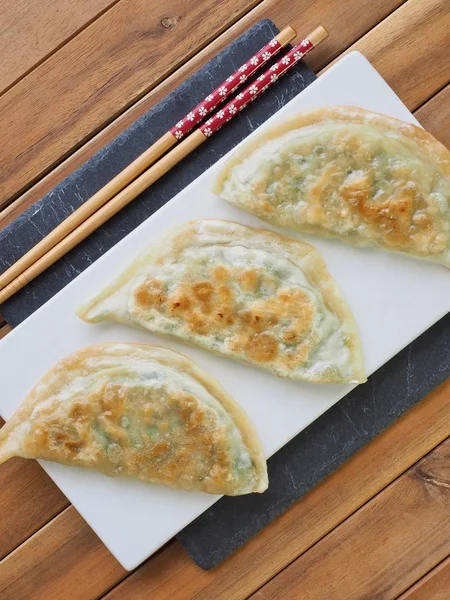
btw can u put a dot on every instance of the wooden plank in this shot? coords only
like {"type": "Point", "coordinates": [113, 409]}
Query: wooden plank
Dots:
{"type": "Point", "coordinates": [54, 558]}
{"type": "Point", "coordinates": [74, 77]}
{"type": "Point", "coordinates": [382, 549]}
{"type": "Point", "coordinates": [28, 500]}
{"type": "Point", "coordinates": [28, 497]}
{"type": "Point", "coordinates": [171, 573]}
{"type": "Point", "coordinates": [435, 116]}
{"type": "Point", "coordinates": [411, 49]}
{"type": "Point", "coordinates": [33, 29]}
{"type": "Point", "coordinates": [98, 74]}
{"type": "Point", "coordinates": [24, 484]}
{"type": "Point", "coordinates": [435, 585]}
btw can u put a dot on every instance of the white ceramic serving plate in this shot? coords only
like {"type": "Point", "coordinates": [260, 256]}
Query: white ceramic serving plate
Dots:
{"type": "Point", "coordinates": [394, 300]}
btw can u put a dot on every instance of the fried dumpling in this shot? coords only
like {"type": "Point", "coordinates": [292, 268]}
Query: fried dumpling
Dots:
{"type": "Point", "coordinates": [344, 172]}
{"type": "Point", "coordinates": [139, 411]}
{"type": "Point", "coordinates": [245, 293]}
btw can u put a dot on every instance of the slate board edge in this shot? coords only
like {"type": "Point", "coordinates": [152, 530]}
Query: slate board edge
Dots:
{"type": "Point", "coordinates": [421, 367]}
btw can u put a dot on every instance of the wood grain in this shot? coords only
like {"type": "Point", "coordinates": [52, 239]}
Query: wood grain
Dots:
{"type": "Point", "coordinates": [435, 585]}
{"type": "Point", "coordinates": [28, 500]}
{"type": "Point", "coordinates": [54, 559]}
{"type": "Point", "coordinates": [171, 573]}
{"type": "Point", "coordinates": [382, 549]}
{"type": "Point", "coordinates": [33, 29]}
{"type": "Point", "coordinates": [98, 74]}
{"type": "Point", "coordinates": [434, 115]}
{"type": "Point", "coordinates": [24, 484]}
{"type": "Point", "coordinates": [127, 70]}
{"type": "Point", "coordinates": [411, 50]}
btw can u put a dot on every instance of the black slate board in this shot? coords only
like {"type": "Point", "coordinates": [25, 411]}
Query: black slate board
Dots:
{"type": "Point", "coordinates": [332, 438]}
{"type": "Point", "coordinates": [320, 448]}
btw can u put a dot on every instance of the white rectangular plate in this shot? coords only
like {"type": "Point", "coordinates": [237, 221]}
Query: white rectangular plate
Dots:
{"type": "Point", "coordinates": [394, 299]}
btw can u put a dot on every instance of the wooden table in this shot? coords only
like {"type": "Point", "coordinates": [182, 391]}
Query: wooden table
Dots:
{"type": "Point", "coordinates": [73, 74]}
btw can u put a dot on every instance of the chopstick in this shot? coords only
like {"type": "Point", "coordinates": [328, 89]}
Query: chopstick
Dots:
{"type": "Point", "coordinates": [156, 150]}
{"type": "Point", "coordinates": [185, 147]}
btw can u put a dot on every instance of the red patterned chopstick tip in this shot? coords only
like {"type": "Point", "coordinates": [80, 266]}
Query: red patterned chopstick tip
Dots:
{"type": "Point", "coordinates": [226, 88]}
{"type": "Point", "coordinates": [252, 91]}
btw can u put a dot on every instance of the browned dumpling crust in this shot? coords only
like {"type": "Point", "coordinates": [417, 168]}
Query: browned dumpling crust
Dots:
{"type": "Point", "coordinates": [248, 294]}
{"type": "Point", "coordinates": [139, 411]}
{"type": "Point", "coordinates": [344, 172]}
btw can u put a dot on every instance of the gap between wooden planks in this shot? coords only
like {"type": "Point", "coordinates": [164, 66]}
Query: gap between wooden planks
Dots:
{"type": "Point", "coordinates": [89, 96]}
{"type": "Point", "coordinates": [32, 30]}
{"type": "Point", "coordinates": [123, 53]}
{"type": "Point", "coordinates": [411, 65]}
{"type": "Point", "coordinates": [435, 585]}
{"type": "Point", "coordinates": [382, 549]}
{"type": "Point", "coordinates": [18, 527]}
{"type": "Point", "coordinates": [28, 500]}
{"type": "Point", "coordinates": [65, 550]}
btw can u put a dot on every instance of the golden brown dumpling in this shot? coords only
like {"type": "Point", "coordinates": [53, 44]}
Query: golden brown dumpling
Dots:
{"type": "Point", "coordinates": [245, 293]}
{"type": "Point", "coordinates": [345, 172]}
{"type": "Point", "coordinates": [139, 411]}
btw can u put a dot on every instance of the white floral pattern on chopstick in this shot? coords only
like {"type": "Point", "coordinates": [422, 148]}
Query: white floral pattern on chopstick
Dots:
{"type": "Point", "coordinates": [252, 91]}
{"type": "Point", "coordinates": [212, 100]}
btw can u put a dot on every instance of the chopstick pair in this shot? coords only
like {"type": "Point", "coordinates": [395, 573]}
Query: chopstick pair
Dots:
{"type": "Point", "coordinates": [134, 179]}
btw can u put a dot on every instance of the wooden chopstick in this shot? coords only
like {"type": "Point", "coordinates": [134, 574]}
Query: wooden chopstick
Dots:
{"type": "Point", "coordinates": [146, 179]}
{"type": "Point", "coordinates": [151, 155]}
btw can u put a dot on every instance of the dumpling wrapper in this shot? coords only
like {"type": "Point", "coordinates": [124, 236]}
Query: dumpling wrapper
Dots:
{"type": "Point", "coordinates": [344, 172]}
{"type": "Point", "coordinates": [248, 294]}
{"type": "Point", "coordinates": [143, 412]}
